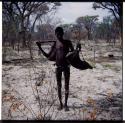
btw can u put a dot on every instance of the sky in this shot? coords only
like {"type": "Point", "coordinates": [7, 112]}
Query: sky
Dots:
{"type": "Point", "coordinates": [70, 11]}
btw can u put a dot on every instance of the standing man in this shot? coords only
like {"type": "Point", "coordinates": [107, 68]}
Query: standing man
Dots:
{"type": "Point", "coordinates": [62, 48]}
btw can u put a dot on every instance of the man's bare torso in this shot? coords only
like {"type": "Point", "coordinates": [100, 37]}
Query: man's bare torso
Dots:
{"type": "Point", "coordinates": [62, 48]}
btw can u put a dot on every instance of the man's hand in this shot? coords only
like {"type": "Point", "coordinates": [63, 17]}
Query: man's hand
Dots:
{"type": "Point", "coordinates": [39, 44]}
{"type": "Point", "coordinates": [78, 47]}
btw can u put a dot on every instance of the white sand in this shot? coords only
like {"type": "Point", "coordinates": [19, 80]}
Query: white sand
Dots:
{"type": "Point", "coordinates": [94, 94]}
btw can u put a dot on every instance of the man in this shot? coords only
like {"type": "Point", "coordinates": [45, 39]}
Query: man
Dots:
{"type": "Point", "coordinates": [62, 47]}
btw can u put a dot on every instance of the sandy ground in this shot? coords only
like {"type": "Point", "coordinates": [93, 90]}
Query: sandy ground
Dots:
{"type": "Point", "coordinates": [29, 89]}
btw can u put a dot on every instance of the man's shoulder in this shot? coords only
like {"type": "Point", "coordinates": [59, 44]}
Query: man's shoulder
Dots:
{"type": "Point", "coordinates": [67, 41]}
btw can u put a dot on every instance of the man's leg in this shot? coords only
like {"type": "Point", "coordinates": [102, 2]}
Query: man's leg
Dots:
{"type": "Point", "coordinates": [67, 77]}
{"type": "Point", "coordinates": [59, 85]}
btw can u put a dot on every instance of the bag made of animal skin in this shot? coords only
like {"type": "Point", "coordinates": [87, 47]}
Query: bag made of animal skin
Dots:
{"type": "Point", "coordinates": [74, 59]}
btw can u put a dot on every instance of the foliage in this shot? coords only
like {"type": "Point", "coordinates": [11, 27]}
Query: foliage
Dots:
{"type": "Point", "coordinates": [24, 15]}
{"type": "Point", "coordinates": [88, 23]}
{"type": "Point", "coordinates": [116, 8]}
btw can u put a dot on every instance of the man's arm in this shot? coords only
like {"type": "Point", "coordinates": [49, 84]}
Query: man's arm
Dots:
{"type": "Point", "coordinates": [52, 48]}
{"type": "Point", "coordinates": [44, 53]}
{"type": "Point", "coordinates": [52, 53]}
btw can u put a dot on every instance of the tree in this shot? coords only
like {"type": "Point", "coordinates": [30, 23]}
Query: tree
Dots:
{"type": "Point", "coordinates": [45, 32]}
{"type": "Point", "coordinates": [67, 30]}
{"type": "Point", "coordinates": [116, 8]}
{"type": "Point", "coordinates": [107, 22]}
{"type": "Point", "coordinates": [87, 22]}
{"type": "Point", "coordinates": [25, 12]}
{"type": "Point", "coordinates": [10, 24]}
{"type": "Point", "coordinates": [107, 30]}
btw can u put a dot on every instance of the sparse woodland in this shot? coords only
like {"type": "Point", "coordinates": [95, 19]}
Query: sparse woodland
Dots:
{"type": "Point", "coordinates": [29, 89]}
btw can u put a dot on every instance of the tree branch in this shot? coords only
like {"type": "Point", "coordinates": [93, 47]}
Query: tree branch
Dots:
{"type": "Point", "coordinates": [110, 10]}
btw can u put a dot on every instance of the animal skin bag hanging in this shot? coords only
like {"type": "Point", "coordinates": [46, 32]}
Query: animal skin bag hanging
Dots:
{"type": "Point", "coordinates": [74, 59]}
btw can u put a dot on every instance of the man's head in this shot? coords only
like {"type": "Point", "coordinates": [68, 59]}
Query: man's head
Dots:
{"type": "Point", "coordinates": [59, 33]}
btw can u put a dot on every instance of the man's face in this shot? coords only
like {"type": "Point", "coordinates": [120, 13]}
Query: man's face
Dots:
{"type": "Point", "coordinates": [59, 35]}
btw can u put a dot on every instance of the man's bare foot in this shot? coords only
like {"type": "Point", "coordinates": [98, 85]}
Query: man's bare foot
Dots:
{"type": "Point", "coordinates": [60, 107]}
{"type": "Point", "coordinates": [66, 108]}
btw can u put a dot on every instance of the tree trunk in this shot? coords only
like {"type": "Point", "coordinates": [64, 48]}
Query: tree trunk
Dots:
{"type": "Point", "coordinates": [30, 46]}
{"type": "Point", "coordinates": [23, 30]}
{"type": "Point", "coordinates": [89, 35]}
{"type": "Point", "coordinates": [24, 39]}
{"type": "Point", "coordinates": [121, 21]}
{"type": "Point", "coordinates": [121, 30]}
{"type": "Point", "coordinates": [18, 47]}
